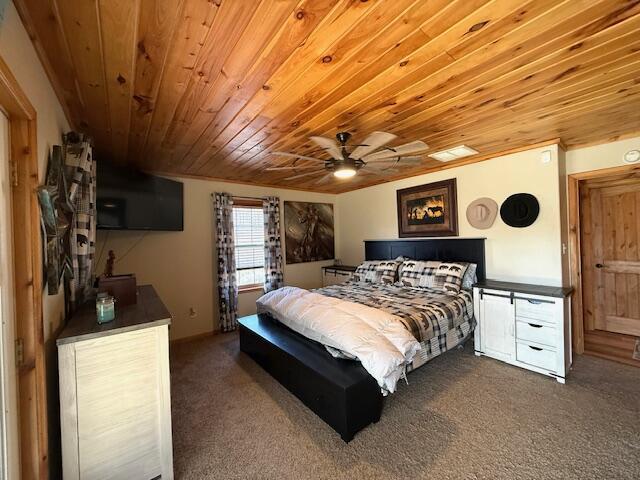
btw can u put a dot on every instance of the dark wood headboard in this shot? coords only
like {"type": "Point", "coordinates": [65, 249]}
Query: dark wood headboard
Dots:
{"type": "Point", "coordinates": [444, 249]}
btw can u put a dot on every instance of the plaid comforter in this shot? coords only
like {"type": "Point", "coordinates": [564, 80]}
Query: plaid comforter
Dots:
{"type": "Point", "coordinates": [439, 321]}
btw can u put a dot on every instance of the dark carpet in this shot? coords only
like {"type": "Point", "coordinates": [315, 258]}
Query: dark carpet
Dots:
{"type": "Point", "coordinates": [460, 417]}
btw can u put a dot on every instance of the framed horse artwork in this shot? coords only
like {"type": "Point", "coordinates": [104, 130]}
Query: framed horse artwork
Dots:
{"type": "Point", "coordinates": [308, 232]}
{"type": "Point", "coordinates": [429, 210]}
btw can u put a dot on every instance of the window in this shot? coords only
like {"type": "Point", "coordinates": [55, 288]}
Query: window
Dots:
{"type": "Point", "coordinates": [248, 226]}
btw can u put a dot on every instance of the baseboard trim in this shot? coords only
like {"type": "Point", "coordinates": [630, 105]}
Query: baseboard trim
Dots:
{"type": "Point", "coordinates": [191, 338]}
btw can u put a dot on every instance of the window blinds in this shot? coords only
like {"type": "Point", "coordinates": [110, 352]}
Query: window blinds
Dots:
{"type": "Point", "coordinates": [248, 224]}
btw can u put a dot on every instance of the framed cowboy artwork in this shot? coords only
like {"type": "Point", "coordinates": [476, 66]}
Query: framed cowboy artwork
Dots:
{"type": "Point", "coordinates": [428, 210]}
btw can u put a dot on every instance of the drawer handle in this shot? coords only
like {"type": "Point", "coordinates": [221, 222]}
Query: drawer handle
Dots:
{"type": "Point", "coordinates": [535, 326]}
{"type": "Point", "coordinates": [537, 349]}
{"type": "Point", "coordinates": [535, 302]}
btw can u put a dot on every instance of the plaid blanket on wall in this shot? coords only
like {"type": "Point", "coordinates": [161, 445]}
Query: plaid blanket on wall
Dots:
{"type": "Point", "coordinates": [439, 321]}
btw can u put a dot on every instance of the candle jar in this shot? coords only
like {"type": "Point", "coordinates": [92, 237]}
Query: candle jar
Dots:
{"type": "Point", "coordinates": [105, 308]}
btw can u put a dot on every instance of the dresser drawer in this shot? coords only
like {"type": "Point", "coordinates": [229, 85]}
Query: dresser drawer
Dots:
{"type": "Point", "coordinates": [536, 356]}
{"type": "Point", "coordinates": [536, 309]}
{"type": "Point", "coordinates": [538, 332]}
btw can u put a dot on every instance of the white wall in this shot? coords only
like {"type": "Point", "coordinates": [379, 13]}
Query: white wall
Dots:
{"type": "Point", "coordinates": [600, 156]}
{"type": "Point", "coordinates": [530, 254]}
{"type": "Point", "coordinates": [563, 207]}
{"type": "Point", "coordinates": [18, 52]}
{"type": "Point", "coordinates": [181, 264]}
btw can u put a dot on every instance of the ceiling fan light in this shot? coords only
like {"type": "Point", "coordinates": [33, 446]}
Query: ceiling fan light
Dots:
{"type": "Point", "coordinates": [345, 172]}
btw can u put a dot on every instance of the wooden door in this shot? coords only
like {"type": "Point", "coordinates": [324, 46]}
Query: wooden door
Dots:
{"type": "Point", "coordinates": [610, 232]}
{"type": "Point", "coordinates": [8, 382]}
{"type": "Point", "coordinates": [31, 398]}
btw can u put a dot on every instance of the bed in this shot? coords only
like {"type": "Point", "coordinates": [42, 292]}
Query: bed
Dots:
{"type": "Point", "coordinates": [438, 321]}
{"type": "Point", "coordinates": [340, 390]}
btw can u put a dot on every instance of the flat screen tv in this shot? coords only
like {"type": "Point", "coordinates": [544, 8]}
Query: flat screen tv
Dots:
{"type": "Point", "coordinates": [132, 200]}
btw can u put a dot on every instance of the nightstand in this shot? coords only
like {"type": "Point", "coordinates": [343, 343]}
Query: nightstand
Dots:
{"type": "Point", "coordinates": [528, 326]}
{"type": "Point", "coordinates": [334, 274]}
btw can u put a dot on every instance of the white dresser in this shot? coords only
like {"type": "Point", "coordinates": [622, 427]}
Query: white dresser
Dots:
{"type": "Point", "coordinates": [335, 274]}
{"type": "Point", "coordinates": [525, 325]}
{"type": "Point", "coordinates": [115, 407]}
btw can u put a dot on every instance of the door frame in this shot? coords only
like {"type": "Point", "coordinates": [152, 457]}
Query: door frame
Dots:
{"type": "Point", "coordinates": [575, 258]}
{"type": "Point", "coordinates": [27, 250]}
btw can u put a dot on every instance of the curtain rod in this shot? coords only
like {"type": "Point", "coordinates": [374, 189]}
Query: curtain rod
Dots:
{"type": "Point", "coordinates": [244, 198]}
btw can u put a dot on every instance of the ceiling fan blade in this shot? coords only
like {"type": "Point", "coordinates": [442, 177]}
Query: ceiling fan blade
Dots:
{"type": "Point", "coordinates": [305, 174]}
{"type": "Point", "coordinates": [402, 161]}
{"type": "Point", "coordinates": [407, 148]}
{"type": "Point", "coordinates": [381, 171]}
{"type": "Point", "coordinates": [295, 155]}
{"type": "Point", "coordinates": [372, 142]}
{"type": "Point", "coordinates": [291, 168]}
{"type": "Point", "coordinates": [324, 179]}
{"type": "Point", "coordinates": [329, 145]}
{"type": "Point", "coordinates": [410, 161]}
{"type": "Point", "coordinates": [379, 167]}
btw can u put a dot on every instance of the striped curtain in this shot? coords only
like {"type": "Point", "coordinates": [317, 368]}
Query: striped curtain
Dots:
{"type": "Point", "coordinates": [80, 169]}
{"type": "Point", "coordinates": [225, 248]}
{"type": "Point", "coordinates": [273, 276]}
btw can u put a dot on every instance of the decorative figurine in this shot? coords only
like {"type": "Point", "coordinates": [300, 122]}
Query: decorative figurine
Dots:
{"type": "Point", "coordinates": [108, 269]}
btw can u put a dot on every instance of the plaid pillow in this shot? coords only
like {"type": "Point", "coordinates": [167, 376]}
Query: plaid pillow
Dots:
{"type": "Point", "coordinates": [379, 271]}
{"type": "Point", "coordinates": [387, 271]}
{"type": "Point", "coordinates": [365, 272]}
{"type": "Point", "coordinates": [416, 273]}
{"type": "Point", "coordinates": [448, 277]}
{"type": "Point", "coordinates": [401, 259]}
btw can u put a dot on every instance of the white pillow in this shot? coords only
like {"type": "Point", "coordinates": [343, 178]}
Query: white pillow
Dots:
{"type": "Point", "coordinates": [470, 277]}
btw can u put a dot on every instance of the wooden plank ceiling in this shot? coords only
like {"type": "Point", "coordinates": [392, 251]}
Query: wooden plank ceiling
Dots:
{"type": "Point", "coordinates": [211, 87]}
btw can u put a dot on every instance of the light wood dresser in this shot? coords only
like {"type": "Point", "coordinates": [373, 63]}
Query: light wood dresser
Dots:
{"type": "Point", "coordinates": [115, 407]}
{"type": "Point", "coordinates": [528, 326]}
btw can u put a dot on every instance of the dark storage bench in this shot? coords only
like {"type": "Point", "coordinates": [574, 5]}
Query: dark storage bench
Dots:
{"type": "Point", "coordinates": [341, 392]}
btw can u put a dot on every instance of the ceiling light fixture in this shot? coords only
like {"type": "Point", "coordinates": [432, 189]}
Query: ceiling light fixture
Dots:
{"type": "Point", "coordinates": [632, 156]}
{"type": "Point", "coordinates": [453, 153]}
{"type": "Point", "coordinates": [348, 159]}
{"type": "Point", "coordinates": [344, 172]}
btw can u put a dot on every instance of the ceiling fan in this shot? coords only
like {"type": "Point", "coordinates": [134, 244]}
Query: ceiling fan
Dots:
{"type": "Point", "coordinates": [346, 160]}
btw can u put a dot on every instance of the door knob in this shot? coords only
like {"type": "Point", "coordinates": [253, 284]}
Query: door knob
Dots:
{"type": "Point", "coordinates": [599, 265]}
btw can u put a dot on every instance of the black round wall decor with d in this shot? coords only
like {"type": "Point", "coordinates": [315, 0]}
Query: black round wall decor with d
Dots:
{"type": "Point", "coordinates": [520, 210]}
